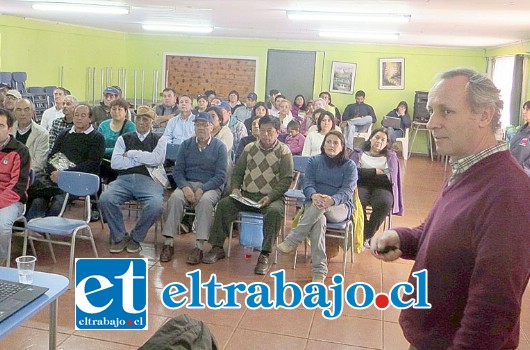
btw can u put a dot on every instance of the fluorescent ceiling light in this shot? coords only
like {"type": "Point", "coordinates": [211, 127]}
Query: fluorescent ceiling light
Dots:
{"type": "Point", "coordinates": [86, 8]}
{"type": "Point", "coordinates": [179, 29]}
{"type": "Point", "coordinates": [359, 35]}
{"type": "Point", "coordinates": [349, 17]}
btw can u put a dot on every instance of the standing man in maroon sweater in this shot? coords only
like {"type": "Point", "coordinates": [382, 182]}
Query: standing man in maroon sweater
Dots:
{"type": "Point", "coordinates": [475, 242]}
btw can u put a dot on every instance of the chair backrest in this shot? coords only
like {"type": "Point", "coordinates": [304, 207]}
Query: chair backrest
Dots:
{"type": "Point", "coordinates": [77, 183]}
{"type": "Point", "coordinates": [172, 151]}
{"type": "Point", "coordinates": [36, 90]}
{"type": "Point", "coordinates": [6, 78]}
{"type": "Point", "coordinates": [300, 163]}
{"type": "Point", "coordinates": [19, 81]}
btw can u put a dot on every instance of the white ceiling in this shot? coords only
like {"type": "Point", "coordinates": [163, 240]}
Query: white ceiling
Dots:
{"type": "Point", "coordinates": [447, 23]}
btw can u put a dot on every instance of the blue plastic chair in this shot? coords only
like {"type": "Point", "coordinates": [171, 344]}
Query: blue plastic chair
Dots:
{"type": "Point", "coordinates": [76, 184]}
{"type": "Point", "coordinates": [294, 197]}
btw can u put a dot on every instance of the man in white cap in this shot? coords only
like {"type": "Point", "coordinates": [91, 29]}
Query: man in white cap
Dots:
{"type": "Point", "coordinates": [12, 96]}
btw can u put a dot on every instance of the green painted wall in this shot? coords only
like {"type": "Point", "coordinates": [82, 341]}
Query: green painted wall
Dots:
{"type": "Point", "coordinates": [42, 48]}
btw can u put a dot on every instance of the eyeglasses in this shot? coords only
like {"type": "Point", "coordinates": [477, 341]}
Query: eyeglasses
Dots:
{"type": "Point", "coordinates": [201, 125]}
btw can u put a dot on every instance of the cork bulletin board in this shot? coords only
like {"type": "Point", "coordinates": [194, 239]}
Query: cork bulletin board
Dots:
{"type": "Point", "coordinates": [194, 74]}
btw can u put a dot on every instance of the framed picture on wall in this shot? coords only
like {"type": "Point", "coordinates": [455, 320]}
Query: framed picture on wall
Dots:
{"type": "Point", "coordinates": [342, 77]}
{"type": "Point", "coordinates": [391, 73]}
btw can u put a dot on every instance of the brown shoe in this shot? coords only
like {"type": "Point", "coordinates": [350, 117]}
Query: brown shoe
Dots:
{"type": "Point", "coordinates": [195, 256]}
{"type": "Point", "coordinates": [216, 253]}
{"type": "Point", "coordinates": [167, 253]}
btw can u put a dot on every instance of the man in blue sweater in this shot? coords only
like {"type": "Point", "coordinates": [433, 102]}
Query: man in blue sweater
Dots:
{"type": "Point", "coordinates": [200, 173]}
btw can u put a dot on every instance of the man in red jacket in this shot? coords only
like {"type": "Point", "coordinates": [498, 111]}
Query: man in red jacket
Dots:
{"type": "Point", "coordinates": [475, 242]}
{"type": "Point", "coordinates": [14, 170]}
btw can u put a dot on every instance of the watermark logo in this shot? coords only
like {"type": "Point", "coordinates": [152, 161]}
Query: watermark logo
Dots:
{"type": "Point", "coordinates": [331, 299]}
{"type": "Point", "coordinates": [111, 294]}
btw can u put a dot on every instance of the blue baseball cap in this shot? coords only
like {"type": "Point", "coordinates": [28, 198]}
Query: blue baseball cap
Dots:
{"type": "Point", "coordinates": [111, 90]}
{"type": "Point", "coordinates": [204, 116]}
{"type": "Point", "coordinates": [224, 105]}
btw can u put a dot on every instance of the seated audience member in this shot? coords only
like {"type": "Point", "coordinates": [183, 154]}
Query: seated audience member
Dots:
{"type": "Point", "coordinates": [167, 110]}
{"type": "Point", "coordinates": [101, 112]}
{"type": "Point", "coordinates": [285, 115]}
{"type": "Point", "coordinates": [66, 122]}
{"type": "Point", "coordinates": [330, 106]}
{"type": "Point", "coordinates": [111, 129]}
{"type": "Point", "coordinates": [236, 127]}
{"type": "Point", "coordinates": [321, 103]}
{"type": "Point", "coordinates": [210, 95]}
{"type": "Point", "coordinates": [519, 145]}
{"type": "Point", "coordinates": [309, 118]}
{"type": "Point", "coordinates": [313, 139]}
{"type": "Point", "coordinates": [299, 107]}
{"type": "Point", "coordinates": [295, 140]}
{"type": "Point", "coordinates": [243, 114]}
{"type": "Point", "coordinates": [263, 173]}
{"type": "Point", "coordinates": [134, 157]}
{"type": "Point", "coordinates": [215, 102]}
{"type": "Point", "coordinates": [221, 131]}
{"type": "Point", "coordinates": [55, 111]}
{"type": "Point", "coordinates": [199, 172]}
{"type": "Point", "coordinates": [359, 109]}
{"type": "Point", "coordinates": [329, 182]}
{"type": "Point", "coordinates": [4, 88]}
{"type": "Point", "coordinates": [275, 110]}
{"type": "Point", "coordinates": [233, 99]}
{"type": "Point", "coordinates": [258, 111]}
{"type": "Point", "coordinates": [182, 126]}
{"type": "Point", "coordinates": [14, 171]}
{"type": "Point", "coordinates": [83, 146]}
{"type": "Point", "coordinates": [379, 180]}
{"type": "Point", "coordinates": [401, 112]}
{"type": "Point", "coordinates": [253, 137]}
{"type": "Point", "coordinates": [272, 97]}
{"type": "Point", "coordinates": [202, 104]}
{"type": "Point", "coordinates": [12, 96]}
{"type": "Point", "coordinates": [31, 134]}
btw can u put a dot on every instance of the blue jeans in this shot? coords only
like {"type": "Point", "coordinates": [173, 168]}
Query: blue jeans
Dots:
{"type": "Point", "coordinates": [41, 207]}
{"type": "Point", "coordinates": [129, 187]}
{"type": "Point", "coordinates": [8, 215]}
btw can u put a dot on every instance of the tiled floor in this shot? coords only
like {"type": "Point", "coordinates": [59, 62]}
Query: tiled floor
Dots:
{"type": "Point", "coordinates": [256, 329]}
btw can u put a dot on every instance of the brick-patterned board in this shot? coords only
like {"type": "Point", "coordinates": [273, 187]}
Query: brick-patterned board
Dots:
{"type": "Point", "coordinates": [193, 75]}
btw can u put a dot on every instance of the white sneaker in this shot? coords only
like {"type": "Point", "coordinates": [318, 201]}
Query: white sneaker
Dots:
{"type": "Point", "coordinates": [319, 279]}
{"type": "Point", "coordinates": [285, 247]}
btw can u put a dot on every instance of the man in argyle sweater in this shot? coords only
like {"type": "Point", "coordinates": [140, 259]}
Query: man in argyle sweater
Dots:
{"type": "Point", "coordinates": [263, 173]}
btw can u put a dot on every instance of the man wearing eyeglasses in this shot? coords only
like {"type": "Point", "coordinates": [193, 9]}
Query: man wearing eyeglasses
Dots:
{"type": "Point", "coordinates": [200, 173]}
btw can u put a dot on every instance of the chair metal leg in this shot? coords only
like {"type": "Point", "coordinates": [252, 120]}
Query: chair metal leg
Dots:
{"type": "Point", "coordinates": [51, 248]}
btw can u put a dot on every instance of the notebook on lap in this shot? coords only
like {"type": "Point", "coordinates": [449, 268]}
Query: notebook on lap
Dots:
{"type": "Point", "coordinates": [14, 296]}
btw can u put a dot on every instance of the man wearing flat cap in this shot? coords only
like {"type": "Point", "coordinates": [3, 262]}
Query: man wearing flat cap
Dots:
{"type": "Point", "coordinates": [199, 172]}
{"type": "Point", "coordinates": [135, 156]}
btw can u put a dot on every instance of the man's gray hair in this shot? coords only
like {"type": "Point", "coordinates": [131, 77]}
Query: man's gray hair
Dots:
{"type": "Point", "coordinates": [74, 99]}
{"type": "Point", "coordinates": [481, 92]}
